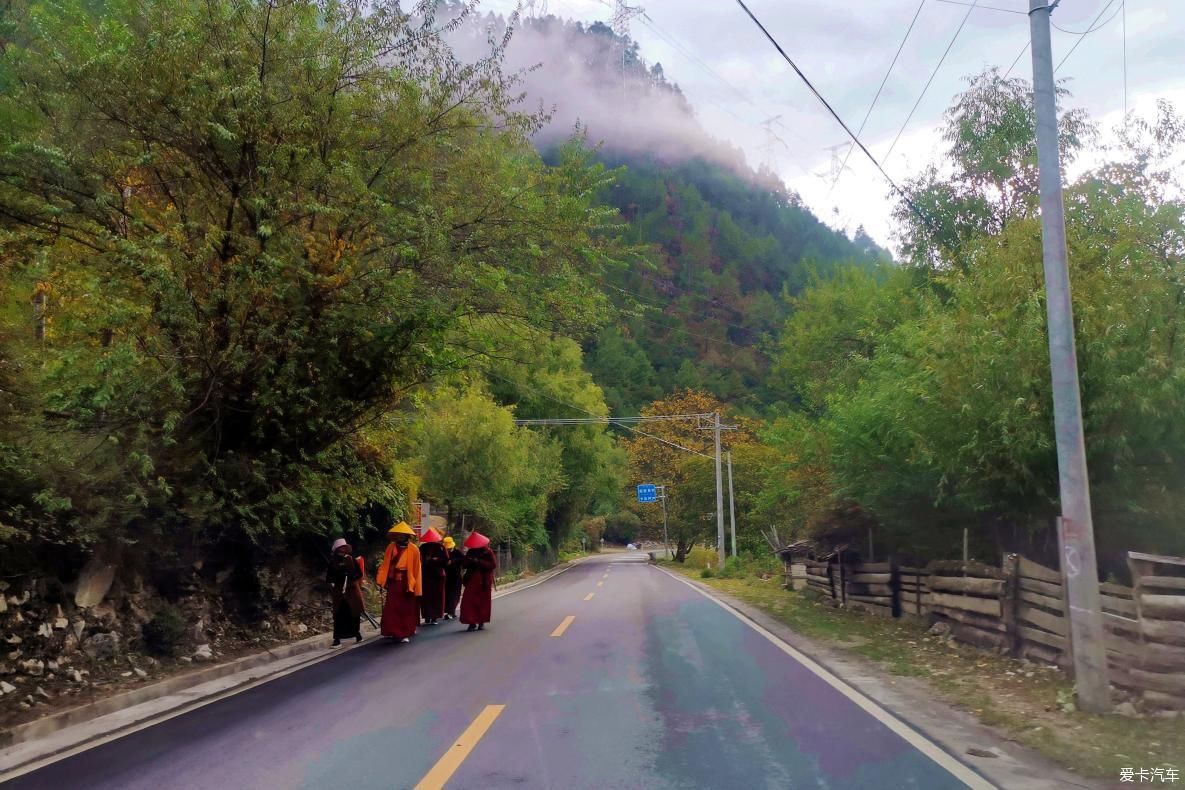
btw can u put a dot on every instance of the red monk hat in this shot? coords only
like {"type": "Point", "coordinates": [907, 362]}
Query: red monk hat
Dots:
{"type": "Point", "coordinates": [431, 536]}
{"type": "Point", "coordinates": [476, 540]}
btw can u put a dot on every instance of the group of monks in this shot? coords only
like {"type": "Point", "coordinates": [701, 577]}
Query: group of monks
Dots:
{"type": "Point", "coordinates": [420, 583]}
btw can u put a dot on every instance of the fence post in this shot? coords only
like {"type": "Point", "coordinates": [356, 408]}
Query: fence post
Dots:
{"type": "Point", "coordinates": [843, 581]}
{"type": "Point", "coordinates": [894, 587]}
{"type": "Point", "coordinates": [1010, 600]}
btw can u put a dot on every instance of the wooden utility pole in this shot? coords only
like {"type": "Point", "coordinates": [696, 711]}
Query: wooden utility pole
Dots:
{"type": "Point", "coordinates": [1075, 527]}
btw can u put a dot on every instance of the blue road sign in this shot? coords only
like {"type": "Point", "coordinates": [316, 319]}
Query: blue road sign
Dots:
{"type": "Point", "coordinates": [647, 493]}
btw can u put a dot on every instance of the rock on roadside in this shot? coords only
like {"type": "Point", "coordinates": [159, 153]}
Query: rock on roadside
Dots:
{"type": "Point", "coordinates": [102, 646]}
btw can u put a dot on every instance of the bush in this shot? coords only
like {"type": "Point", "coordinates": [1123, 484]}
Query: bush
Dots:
{"type": "Point", "coordinates": [707, 573]}
{"type": "Point", "coordinates": [164, 632]}
{"type": "Point", "coordinates": [701, 557]}
{"type": "Point", "coordinates": [734, 568]}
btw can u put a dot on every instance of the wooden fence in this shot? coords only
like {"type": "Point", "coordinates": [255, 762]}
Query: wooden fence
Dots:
{"type": "Point", "coordinates": [1019, 609]}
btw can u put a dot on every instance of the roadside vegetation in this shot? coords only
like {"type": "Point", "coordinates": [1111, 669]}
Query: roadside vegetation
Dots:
{"type": "Point", "coordinates": [1024, 701]}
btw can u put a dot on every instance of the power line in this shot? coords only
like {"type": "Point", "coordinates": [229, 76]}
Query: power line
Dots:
{"type": "Point", "coordinates": [595, 419]}
{"type": "Point", "coordinates": [653, 26]}
{"type": "Point", "coordinates": [908, 201]}
{"type": "Point", "coordinates": [985, 7]}
{"type": "Point", "coordinates": [933, 74]}
{"type": "Point", "coordinates": [1093, 27]}
{"type": "Point", "coordinates": [1016, 60]}
{"type": "Point", "coordinates": [686, 52]}
{"type": "Point", "coordinates": [872, 106]}
{"type": "Point", "coordinates": [1082, 36]}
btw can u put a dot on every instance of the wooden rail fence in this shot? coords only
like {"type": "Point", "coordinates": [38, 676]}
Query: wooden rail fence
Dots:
{"type": "Point", "coordinates": [1019, 609]}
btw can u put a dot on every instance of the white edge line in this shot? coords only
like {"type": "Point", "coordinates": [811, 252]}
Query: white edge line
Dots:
{"type": "Point", "coordinates": [36, 764]}
{"type": "Point", "coordinates": [924, 745]}
{"type": "Point", "coordinates": [563, 570]}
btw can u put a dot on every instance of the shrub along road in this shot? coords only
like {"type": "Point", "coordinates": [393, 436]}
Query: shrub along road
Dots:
{"type": "Point", "coordinates": [613, 674]}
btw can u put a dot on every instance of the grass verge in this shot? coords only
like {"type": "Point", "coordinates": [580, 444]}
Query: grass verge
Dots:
{"type": "Point", "coordinates": [1022, 700]}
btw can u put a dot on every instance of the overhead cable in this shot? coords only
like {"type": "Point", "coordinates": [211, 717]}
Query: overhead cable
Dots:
{"type": "Point", "coordinates": [930, 81]}
{"type": "Point", "coordinates": [872, 106]}
{"type": "Point", "coordinates": [1090, 29]}
{"type": "Point", "coordinates": [855, 138]}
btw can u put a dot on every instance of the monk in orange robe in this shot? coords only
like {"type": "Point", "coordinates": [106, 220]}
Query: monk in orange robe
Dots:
{"type": "Point", "coordinates": [400, 576]}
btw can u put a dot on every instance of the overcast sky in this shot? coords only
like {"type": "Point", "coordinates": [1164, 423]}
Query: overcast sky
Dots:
{"type": "Point", "coordinates": [737, 81]}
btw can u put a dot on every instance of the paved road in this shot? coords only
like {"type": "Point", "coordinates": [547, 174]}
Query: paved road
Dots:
{"type": "Point", "coordinates": [650, 685]}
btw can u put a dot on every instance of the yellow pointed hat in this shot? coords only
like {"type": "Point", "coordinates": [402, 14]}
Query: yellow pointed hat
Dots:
{"type": "Point", "coordinates": [402, 528]}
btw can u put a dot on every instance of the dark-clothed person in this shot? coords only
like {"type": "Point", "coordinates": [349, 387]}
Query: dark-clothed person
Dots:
{"type": "Point", "coordinates": [434, 560]}
{"type": "Point", "coordinates": [479, 566]}
{"type": "Point", "coordinates": [345, 584]}
{"type": "Point", "coordinates": [452, 579]}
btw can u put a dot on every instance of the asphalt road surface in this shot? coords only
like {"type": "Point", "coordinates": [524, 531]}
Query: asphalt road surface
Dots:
{"type": "Point", "coordinates": [613, 674]}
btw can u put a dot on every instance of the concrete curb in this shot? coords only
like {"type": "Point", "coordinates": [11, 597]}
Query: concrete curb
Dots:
{"type": "Point", "coordinates": [152, 699]}
{"type": "Point", "coordinates": [39, 728]}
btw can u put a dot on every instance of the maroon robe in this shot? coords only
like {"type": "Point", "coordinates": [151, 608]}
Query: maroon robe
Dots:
{"type": "Point", "coordinates": [452, 582]}
{"type": "Point", "coordinates": [477, 602]}
{"type": "Point", "coordinates": [401, 610]}
{"type": "Point", "coordinates": [434, 560]}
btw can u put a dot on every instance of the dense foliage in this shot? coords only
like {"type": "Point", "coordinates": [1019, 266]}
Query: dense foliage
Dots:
{"type": "Point", "coordinates": [248, 231]}
{"type": "Point", "coordinates": [926, 391]}
{"type": "Point", "coordinates": [276, 270]}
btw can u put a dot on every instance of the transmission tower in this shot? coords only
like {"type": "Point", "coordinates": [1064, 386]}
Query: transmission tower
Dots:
{"type": "Point", "coordinates": [535, 8]}
{"type": "Point", "coordinates": [622, 15]}
{"type": "Point", "coordinates": [837, 162]}
{"type": "Point", "coordinates": [772, 140]}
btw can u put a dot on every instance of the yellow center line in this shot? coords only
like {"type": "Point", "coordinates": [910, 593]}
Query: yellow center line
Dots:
{"type": "Point", "coordinates": [447, 765]}
{"type": "Point", "coordinates": [601, 584]}
{"type": "Point", "coordinates": [562, 627]}
{"type": "Point", "coordinates": [589, 596]}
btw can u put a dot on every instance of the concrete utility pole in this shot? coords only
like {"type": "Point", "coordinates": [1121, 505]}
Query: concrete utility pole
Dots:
{"type": "Point", "coordinates": [732, 515]}
{"type": "Point", "coordinates": [719, 492]}
{"type": "Point", "coordinates": [666, 541]}
{"type": "Point", "coordinates": [1076, 530]}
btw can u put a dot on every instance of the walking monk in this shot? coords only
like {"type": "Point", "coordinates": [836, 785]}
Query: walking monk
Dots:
{"type": "Point", "coordinates": [452, 579]}
{"type": "Point", "coordinates": [435, 561]}
{"type": "Point", "coordinates": [345, 583]}
{"type": "Point", "coordinates": [400, 576]}
{"type": "Point", "coordinates": [479, 565]}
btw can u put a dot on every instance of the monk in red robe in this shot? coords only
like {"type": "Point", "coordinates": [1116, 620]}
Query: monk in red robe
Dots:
{"type": "Point", "coordinates": [400, 576]}
{"type": "Point", "coordinates": [435, 562]}
{"type": "Point", "coordinates": [478, 565]}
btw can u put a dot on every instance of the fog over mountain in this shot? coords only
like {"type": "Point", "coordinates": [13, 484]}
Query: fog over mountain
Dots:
{"type": "Point", "coordinates": [586, 77]}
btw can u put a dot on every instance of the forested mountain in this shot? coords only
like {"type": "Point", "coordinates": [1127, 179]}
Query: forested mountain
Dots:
{"type": "Point", "coordinates": [726, 248]}
{"type": "Point", "coordinates": [723, 242]}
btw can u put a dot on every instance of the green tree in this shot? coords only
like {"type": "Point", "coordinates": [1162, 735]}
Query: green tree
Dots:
{"type": "Point", "coordinates": [659, 453]}
{"type": "Point", "coordinates": [475, 461]}
{"type": "Point", "coordinates": [991, 144]}
{"type": "Point", "coordinates": [258, 225]}
{"type": "Point", "coordinates": [542, 376]}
